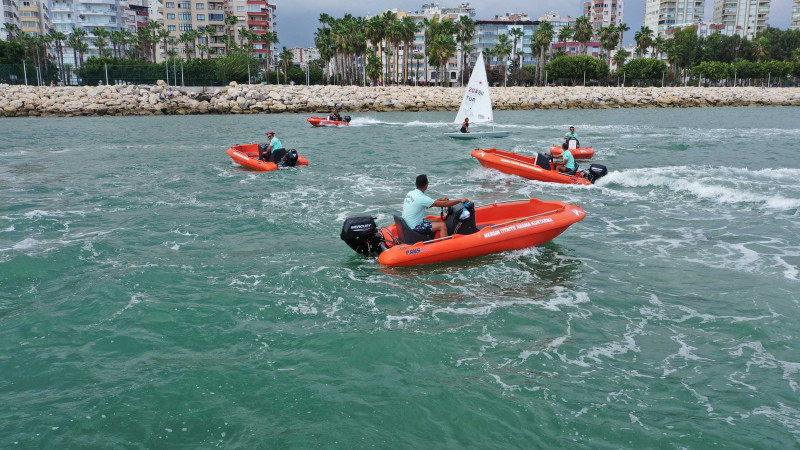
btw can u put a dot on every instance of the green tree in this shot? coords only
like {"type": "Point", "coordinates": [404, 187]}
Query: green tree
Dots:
{"type": "Point", "coordinates": [712, 70]}
{"type": "Point", "coordinates": [643, 38]}
{"type": "Point", "coordinates": [582, 32]}
{"type": "Point", "coordinates": [502, 49]}
{"type": "Point", "coordinates": [573, 68]}
{"type": "Point", "coordinates": [101, 37]}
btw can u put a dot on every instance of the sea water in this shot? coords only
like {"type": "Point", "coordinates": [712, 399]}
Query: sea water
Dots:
{"type": "Point", "coordinates": [155, 294]}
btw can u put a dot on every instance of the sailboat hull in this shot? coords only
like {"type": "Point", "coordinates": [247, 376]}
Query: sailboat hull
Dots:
{"type": "Point", "coordinates": [478, 134]}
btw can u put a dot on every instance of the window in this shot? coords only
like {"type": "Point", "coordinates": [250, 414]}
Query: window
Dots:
{"type": "Point", "coordinates": [171, 16]}
{"type": "Point", "coordinates": [216, 17]}
{"type": "Point", "coordinates": [185, 16]}
{"type": "Point", "coordinates": [185, 5]}
{"type": "Point", "coordinates": [170, 27]}
{"type": "Point", "coordinates": [199, 6]}
{"type": "Point", "coordinates": [170, 5]}
{"type": "Point", "coordinates": [185, 27]}
{"type": "Point", "coordinates": [254, 8]}
{"type": "Point", "coordinates": [240, 8]}
{"type": "Point", "coordinates": [201, 17]}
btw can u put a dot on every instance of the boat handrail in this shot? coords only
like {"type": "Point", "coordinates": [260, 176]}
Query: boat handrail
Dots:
{"type": "Point", "coordinates": [529, 217]}
{"type": "Point", "coordinates": [500, 203]}
{"type": "Point", "coordinates": [518, 160]}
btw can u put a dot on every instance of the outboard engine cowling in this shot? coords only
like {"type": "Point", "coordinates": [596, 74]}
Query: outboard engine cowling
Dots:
{"type": "Point", "coordinates": [346, 119]}
{"type": "Point", "coordinates": [361, 234]}
{"type": "Point", "coordinates": [595, 172]}
{"type": "Point", "coordinates": [290, 159]}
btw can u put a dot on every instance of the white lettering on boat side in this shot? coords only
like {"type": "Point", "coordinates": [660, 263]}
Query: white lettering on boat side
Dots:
{"type": "Point", "coordinates": [519, 226]}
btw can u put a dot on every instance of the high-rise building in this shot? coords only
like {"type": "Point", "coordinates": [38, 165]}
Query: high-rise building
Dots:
{"type": "Point", "coordinates": [10, 16]}
{"type": "Point", "coordinates": [416, 57]}
{"type": "Point", "coordinates": [112, 15]}
{"type": "Point", "coordinates": [558, 22]}
{"type": "Point", "coordinates": [487, 32]}
{"type": "Point", "coordinates": [208, 17]}
{"type": "Point", "coordinates": [743, 17]}
{"type": "Point", "coordinates": [34, 16]}
{"type": "Point", "coordinates": [795, 25]}
{"type": "Point", "coordinates": [661, 16]}
{"type": "Point", "coordinates": [603, 13]}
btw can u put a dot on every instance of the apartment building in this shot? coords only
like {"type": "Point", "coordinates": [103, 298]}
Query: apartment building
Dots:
{"type": "Point", "coordinates": [488, 31]}
{"type": "Point", "coordinates": [10, 16]}
{"type": "Point", "coordinates": [743, 17]}
{"type": "Point", "coordinates": [301, 56]}
{"type": "Point", "coordinates": [208, 16]}
{"type": "Point", "coordinates": [661, 16]}
{"type": "Point", "coordinates": [557, 22]}
{"type": "Point", "coordinates": [34, 16]}
{"type": "Point", "coordinates": [795, 24]}
{"type": "Point", "coordinates": [602, 13]}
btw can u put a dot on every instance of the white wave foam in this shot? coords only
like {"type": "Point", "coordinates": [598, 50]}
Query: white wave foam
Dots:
{"type": "Point", "coordinates": [135, 300]}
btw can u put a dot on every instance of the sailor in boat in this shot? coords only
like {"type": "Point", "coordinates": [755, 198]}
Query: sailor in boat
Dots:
{"type": "Point", "coordinates": [273, 143]}
{"type": "Point", "coordinates": [563, 160]}
{"type": "Point", "coordinates": [417, 202]}
{"type": "Point", "coordinates": [572, 136]}
{"type": "Point", "coordinates": [465, 125]}
{"type": "Point", "coordinates": [335, 115]}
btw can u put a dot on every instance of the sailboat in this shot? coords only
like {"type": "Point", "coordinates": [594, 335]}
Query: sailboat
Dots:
{"type": "Point", "coordinates": [477, 105]}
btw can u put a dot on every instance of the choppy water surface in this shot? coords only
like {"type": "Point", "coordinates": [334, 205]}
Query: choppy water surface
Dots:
{"type": "Point", "coordinates": [153, 293]}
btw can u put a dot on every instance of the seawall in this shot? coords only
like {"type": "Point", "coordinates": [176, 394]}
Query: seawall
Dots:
{"type": "Point", "coordinates": [16, 101]}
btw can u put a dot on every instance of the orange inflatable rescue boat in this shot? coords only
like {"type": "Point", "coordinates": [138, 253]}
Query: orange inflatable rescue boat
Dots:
{"type": "Point", "coordinates": [247, 155]}
{"type": "Point", "coordinates": [537, 168]}
{"type": "Point", "coordinates": [578, 153]}
{"type": "Point", "coordinates": [492, 228]}
{"type": "Point", "coordinates": [323, 122]}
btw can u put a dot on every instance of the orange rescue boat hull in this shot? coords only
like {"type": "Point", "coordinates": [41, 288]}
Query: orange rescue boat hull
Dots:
{"type": "Point", "coordinates": [247, 156]}
{"type": "Point", "coordinates": [502, 226]}
{"type": "Point", "coordinates": [323, 122]}
{"type": "Point", "coordinates": [578, 153]}
{"type": "Point", "coordinates": [523, 166]}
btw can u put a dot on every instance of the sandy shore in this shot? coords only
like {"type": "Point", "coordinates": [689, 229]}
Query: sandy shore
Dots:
{"type": "Point", "coordinates": [18, 101]}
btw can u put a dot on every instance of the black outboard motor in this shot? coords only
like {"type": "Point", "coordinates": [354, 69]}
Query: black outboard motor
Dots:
{"type": "Point", "coordinates": [361, 234]}
{"type": "Point", "coordinates": [346, 119]}
{"type": "Point", "coordinates": [595, 172]}
{"type": "Point", "coordinates": [457, 225]}
{"type": "Point", "coordinates": [290, 159]}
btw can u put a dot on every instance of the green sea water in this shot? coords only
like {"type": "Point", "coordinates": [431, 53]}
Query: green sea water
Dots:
{"type": "Point", "coordinates": [154, 294]}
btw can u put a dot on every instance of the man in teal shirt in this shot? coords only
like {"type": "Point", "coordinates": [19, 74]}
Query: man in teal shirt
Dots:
{"type": "Point", "coordinates": [564, 161]}
{"type": "Point", "coordinates": [417, 202]}
{"type": "Point", "coordinates": [572, 135]}
{"type": "Point", "coordinates": [273, 144]}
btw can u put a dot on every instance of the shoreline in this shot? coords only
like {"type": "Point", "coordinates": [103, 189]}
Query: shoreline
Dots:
{"type": "Point", "coordinates": [138, 100]}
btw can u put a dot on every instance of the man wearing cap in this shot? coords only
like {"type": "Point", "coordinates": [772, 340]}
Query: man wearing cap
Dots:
{"type": "Point", "coordinates": [417, 202]}
{"type": "Point", "coordinates": [273, 143]}
{"type": "Point", "coordinates": [563, 160]}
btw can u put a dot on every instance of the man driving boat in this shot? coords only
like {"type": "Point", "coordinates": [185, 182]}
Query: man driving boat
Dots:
{"type": "Point", "coordinates": [415, 204]}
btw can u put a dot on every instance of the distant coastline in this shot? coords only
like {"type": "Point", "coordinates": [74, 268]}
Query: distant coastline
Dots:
{"type": "Point", "coordinates": [24, 101]}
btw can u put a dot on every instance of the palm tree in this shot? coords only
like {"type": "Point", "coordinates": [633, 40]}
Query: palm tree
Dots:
{"type": "Point", "coordinates": [375, 32]}
{"type": "Point", "coordinates": [465, 31]}
{"type": "Point", "coordinates": [75, 41]}
{"type": "Point", "coordinates": [58, 39]}
{"type": "Point", "coordinates": [164, 36]}
{"type": "Point", "coordinates": [518, 34]}
{"type": "Point", "coordinates": [442, 48]}
{"type": "Point", "coordinates": [186, 38]}
{"type": "Point", "coordinates": [101, 35]}
{"type": "Point", "coordinates": [409, 30]}
{"type": "Point", "coordinates": [608, 38]}
{"type": "Point", "coordinates": [12, 30]}
{"type": "Point", "coordinates": [622, 28]}
{"type": "Point", "coordinates": [643, 38]}
{"type": "Point", "coordinates": [230, 22]}
{"type": "Point", "coordinates": [285, 59]}
{"type": "Point", "coordinates": [269, 39]}
{"type": "Point", "coordinates": [583, 32]}
{"type": "Point", "coordinates": [565, 34]}
{"type": "Point", "coordinates": [658, 45]}
{"type": "Point", "coordinates": [417, 57]}
{"type": "Point", "coordinates": [542, 40]}
{"type": "Point", "coordinates": [394, 32]}
{"type": "Point", "coordinates": [619, 57]}
{"type": "Point", "coordinates": [502, 49]}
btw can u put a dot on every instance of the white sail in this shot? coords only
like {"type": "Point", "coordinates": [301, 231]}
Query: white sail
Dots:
{"type": "Point", "coordinates": [477, 104]}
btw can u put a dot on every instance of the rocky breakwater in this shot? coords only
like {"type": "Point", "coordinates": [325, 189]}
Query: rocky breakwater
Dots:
{"type": "Point", "coordinates": [244, 99]}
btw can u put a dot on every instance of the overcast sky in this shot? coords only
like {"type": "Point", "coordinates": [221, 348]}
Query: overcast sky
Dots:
{"type": "Point", "coordinates": [298, 19]}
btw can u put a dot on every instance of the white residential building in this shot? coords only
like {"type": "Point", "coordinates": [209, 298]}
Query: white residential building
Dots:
{"type": "Point", "coordinates": [603, 13]}
{"type": "Point", "coordinates": [89, 15]}
{"type": "Point", "coordinates": [743, 17]}
{"type": "Point", "coordinates": [558, 22]}
{"type": "Point", "coordinates": [661, 16]}
{"type": "Point", "coordinates": [302, 56]}
{"type": "Point", "coordinates": [795, 25]}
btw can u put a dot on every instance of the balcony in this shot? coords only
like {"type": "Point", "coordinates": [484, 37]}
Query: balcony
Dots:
{"type": "Point", "coordinates": [258, 22]}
